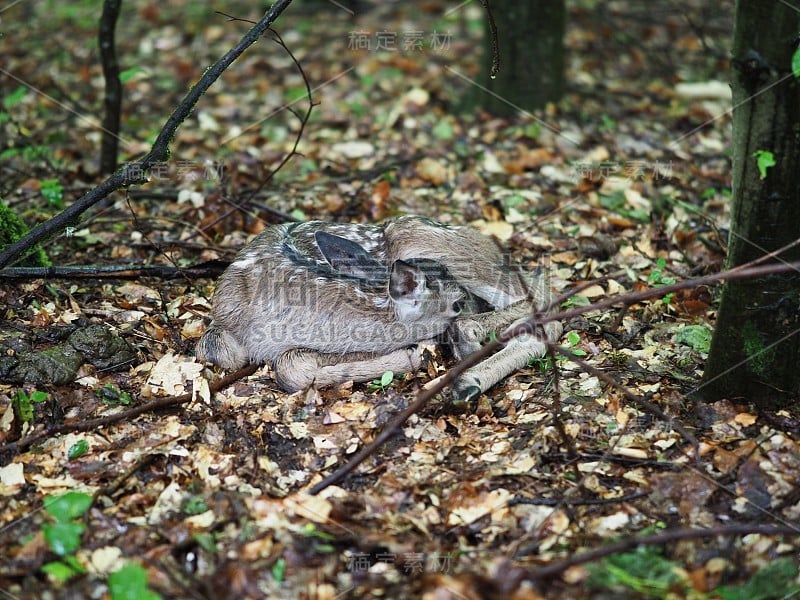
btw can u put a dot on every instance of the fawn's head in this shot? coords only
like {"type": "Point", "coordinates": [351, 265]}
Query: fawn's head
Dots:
{"type": "Point", "coordinates": [422, 289]}
{"type": "Point", "coordinates": [419, 289]}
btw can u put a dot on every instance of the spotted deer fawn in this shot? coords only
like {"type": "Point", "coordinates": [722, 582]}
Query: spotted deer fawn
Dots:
{"type": "Point", "coordinates": [325, 303]}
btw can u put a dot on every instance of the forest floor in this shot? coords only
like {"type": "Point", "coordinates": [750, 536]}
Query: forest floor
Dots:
{"type": "Point", "coordinates": [629, 174]}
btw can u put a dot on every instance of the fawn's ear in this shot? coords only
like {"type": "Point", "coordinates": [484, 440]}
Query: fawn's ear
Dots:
{"type": "Point", "coordinates": [347, 257]}
{"type": "Point", "coordinates": [406, 282]}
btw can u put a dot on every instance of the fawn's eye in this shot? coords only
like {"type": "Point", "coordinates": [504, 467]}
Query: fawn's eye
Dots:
{"type": "Point", "coordinates": [458, 306]}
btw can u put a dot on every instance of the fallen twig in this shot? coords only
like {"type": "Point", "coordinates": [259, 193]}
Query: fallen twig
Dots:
{"type": "Point", "coordinates": [91, 424]}
{"type": "Point", "coordinates": [207, 269]}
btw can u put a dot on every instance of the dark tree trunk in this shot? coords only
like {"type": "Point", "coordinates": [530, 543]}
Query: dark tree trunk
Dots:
{"type": "Point", "coordinates": [112, 101]}
{"type": "Point", "coordinates": [755, 352]}
{"type": "Point", "coordinates": [531, 43]}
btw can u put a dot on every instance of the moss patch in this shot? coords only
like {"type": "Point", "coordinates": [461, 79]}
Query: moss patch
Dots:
{"type": "Point", "coordinates": [12, 229]}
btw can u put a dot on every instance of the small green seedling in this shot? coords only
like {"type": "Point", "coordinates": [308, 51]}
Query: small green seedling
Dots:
{"type": "Point", "coordinates": [545, 363]}
{"type": "Point", "coordinates": [382, 383]}
{"type": "Point", "coordinates": [53, 192]}
{"type": "Point", "coordinates": [575, 301]}
{"type": "Point", "coordinates": [23, 404]}
{"type": "Point", "coordinates": [573, 339]}
{"type": "Point", "coordinates": [194, 505]}
{"type": "Point", "coordinates": [658, 278]}
{"type": "Point", "coordinates": [111, 394]}
{"type": "Point", "coordinates": [64, 535]}
{"type": "Point", "coordinates": [279, 570]}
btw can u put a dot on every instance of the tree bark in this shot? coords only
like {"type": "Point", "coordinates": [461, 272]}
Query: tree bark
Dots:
{"type": "Point", "coordinates": [112, 101]}
{"type": "Point", "coordinates": [531, 43]}
{"type": "Point", "coordinates": [755, 351]}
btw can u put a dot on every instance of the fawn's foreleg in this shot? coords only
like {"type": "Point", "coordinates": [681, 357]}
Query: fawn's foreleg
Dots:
{"type": "Point", "coordinates": [300, 368]}
{"type": "Point", "coordinates": [513, 356]}
{"type": "Point", "coordinates": [469, 332]}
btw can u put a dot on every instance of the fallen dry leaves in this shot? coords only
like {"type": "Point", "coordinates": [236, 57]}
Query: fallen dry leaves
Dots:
{"type": "Point", "coordinates": [211, 497]}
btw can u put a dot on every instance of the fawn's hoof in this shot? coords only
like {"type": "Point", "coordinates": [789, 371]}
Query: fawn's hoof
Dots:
{"type": "Point", "coordinates": [466, 394]}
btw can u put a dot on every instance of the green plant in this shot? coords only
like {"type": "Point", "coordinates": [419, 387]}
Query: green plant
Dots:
{"type": "Point", "coordinates": [658, 278]}
{"type": "Point", "coordinates": [618, 203]}
{"type": "Point", "coordinates": [111, 394]}
{"type": "Point", "coordinates": [575, 301]}
{"type": "Point", "coordinates": [644, 571]}
{"type": "Point", "coordinates": [63, 536]}
{"type": "Point", "coordinates": [14, 97]}
{"type": "Point", "coordinates": [710, 193]}
{"type": "Point", "coordinates": [545, 363]}
{"type": "Point", "coordinates": [23, 404]}
{"type": "Point", "coordinates": [542, 363]}
{"type": "Point", "coordinates": [764, 160]}
{"type": "Point", "coordinates": [12, 229]}
{"type": "Point", "coordinates": [443, 130]}
{"type": "Point", "coordinates": [321, 538]}
{"type": "Point", "coordinates": [573, 339]}
{"type": "Point", "coordinates": [130, 583]}
{"type": "Point", "coordinates": [775, 581]}
{"type": "Point", "coordinates": [128, 74]}
{"type": "Point", "coordinates": [278, 570]}
{"type": "Point", "coordinates": [78, 449]}
{"type": "Point", "coordinates": [697, 337]}
{"type": "Point", "coordinates": [607, 124]}
{"type": "Point", "coordinates": [53, 192]}
{"type": "Point", "coordinates": [382, 383]}
{"type": "Point", "coordinates": [194, 505]}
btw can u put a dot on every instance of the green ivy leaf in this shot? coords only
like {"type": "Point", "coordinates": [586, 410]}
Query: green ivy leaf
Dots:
{"type": "Point", "coordinates": [68, 506]}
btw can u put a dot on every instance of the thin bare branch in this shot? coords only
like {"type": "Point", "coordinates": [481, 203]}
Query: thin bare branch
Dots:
{"type": "Point", "coordinates": [136, 172]}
